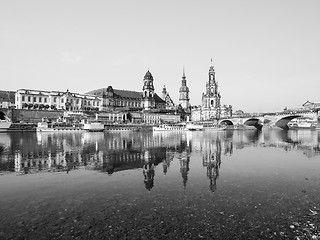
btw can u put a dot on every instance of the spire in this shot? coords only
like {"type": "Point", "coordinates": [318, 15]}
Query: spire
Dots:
{"type": "Point", "coordinates": [211, 69]}
{"type": "Point", "coordinates": [184, 74]}
{"type": "Point", "coordinates": [164, 91]}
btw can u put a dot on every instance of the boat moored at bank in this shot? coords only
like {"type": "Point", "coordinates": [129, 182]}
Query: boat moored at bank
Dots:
{"type": "Point", "coordinates": [194, 127]}
{"type": "Point", "coordinates": [5, 124]}
{"type": "Point", "coordinates": [302, 123]}
{"type": "Point", "coordinates": [54, 127]}
{"type": "Point", "coordinates": [169, 127]}
{"type": "Point", "coordinates": [94, 127]}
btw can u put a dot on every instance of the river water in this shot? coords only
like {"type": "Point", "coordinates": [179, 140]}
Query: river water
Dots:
{"type": "Point", "coordinates": [148, 185]}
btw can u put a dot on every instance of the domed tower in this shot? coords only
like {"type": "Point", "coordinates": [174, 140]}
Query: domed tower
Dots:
{"type": "Point", "coordinates": [184, 93]}
{"type": "Point", "coordinates": [148, 91]}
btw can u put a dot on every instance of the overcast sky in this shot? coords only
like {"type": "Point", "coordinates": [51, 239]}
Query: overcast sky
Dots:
{"type": "Point", "coordinates": [265, 53]}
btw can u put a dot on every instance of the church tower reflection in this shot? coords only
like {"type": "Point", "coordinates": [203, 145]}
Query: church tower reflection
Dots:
{"type": "Point", "coordinates": [184, 160]}
{"type": "Point", "coordinates": [166, 162]}
{"type": "Point", "coordinates": [212, 161]}
{"type": "Point", "coordinates": [148, 171]}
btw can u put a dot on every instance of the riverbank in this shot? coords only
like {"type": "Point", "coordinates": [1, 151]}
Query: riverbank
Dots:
{"type": "Point", "coordinates": [79, 206]}
{"type": "Point", "coordinates": [31, 127]}
{"type": "Point", "coordinates": [22, 127]}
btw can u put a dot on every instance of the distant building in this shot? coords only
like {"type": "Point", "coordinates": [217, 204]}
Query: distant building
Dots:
{"type": "Point", "coordinates": [113, 105]}
{"type": "Point", "coordinates": [311, 105]}
{"type": "Point", "coordinates": [211, 108]}
{"type": "Point", "coordinates": [112, 99]}
{"type": "Point", "coordinates": [166, 97]}
{"type": "Point", "coordinates": [130, 100]}
{"type": "Point", "coordinates": [55, 100]}
{"type": "Point", "coordinates": [7, 99]}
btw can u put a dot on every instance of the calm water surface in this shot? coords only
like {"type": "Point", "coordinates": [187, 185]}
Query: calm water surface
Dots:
{"type": "Point", "coordinates": [145, 185]}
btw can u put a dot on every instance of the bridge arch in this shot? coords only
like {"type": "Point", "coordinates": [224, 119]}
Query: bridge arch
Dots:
{"type": "Point", "coordinates": [255, 122]}
{"type": "Point", "coordinates": [282, 122]}
{"type": "Point", "coordinates": [2, 115]}
{"type": "Point", "coordinates": [227, 122]}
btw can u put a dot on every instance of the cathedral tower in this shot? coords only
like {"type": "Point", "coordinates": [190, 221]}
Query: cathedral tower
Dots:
{"type": "Point", "coordinates": [184, 93]}
{"type": "Point", "coordinates": [211, 108]}
{"type": "Point", "coordinates": [148, 91]}
{"type": "Point", "coordinates": [211, 97]}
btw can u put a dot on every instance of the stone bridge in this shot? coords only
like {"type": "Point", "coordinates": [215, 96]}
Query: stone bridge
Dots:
{"type": "Point", "coordinates": [282, 119]}
{"type": "Point", "coordinates": [256, 122]}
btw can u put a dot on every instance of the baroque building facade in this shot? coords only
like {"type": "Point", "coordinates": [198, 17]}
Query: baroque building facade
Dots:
{"type": "Point", "coordinates": [166, 97]}
{"type": "Point", "coordinates": [113, 105]}
{"type": "Point", "coordinates": [211, 108]}
{"type": "Point", "coordinates": [104, 99]}
{"type": "Point", "coordinates": [130, 100]}
{"type": "Point", "coordinates": [55, 100]}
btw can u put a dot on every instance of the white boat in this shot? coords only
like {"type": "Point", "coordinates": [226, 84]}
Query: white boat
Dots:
{"type": "Point", "coordinates": [94, 127]}
{"type": "Point", "coordinates": [302, 123]}
{"type": "Point", "coordinates": [194, 127]}
{"type": "Point", "coordinates": [49, 127]}
{"type": "Point", "coordinates": [170, 127]}
{"type": "Point", "coordinates": [122, 128]}
{"type": "Point", "coordinates": [5, 124]}
{"type": "Point", "coordinates": [215, 128]}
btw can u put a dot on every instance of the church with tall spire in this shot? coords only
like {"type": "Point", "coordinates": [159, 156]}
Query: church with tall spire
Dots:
{"type": "Point", "coordinates": [211, 97]}
{"type": "Point", "coordinates": [211, 108]}
{"type": "Point", "coordinates": [184, 93]}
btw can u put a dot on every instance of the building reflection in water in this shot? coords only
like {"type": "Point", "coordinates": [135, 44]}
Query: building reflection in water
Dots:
{"type": "Point", "coordinates": [184, 160]}
{"type": "Point", "coordinates": [212, 161]}
{"type": "Point", "coordinates": [27, 153]}
{"type": "Point", "coordinates": [148, 171]}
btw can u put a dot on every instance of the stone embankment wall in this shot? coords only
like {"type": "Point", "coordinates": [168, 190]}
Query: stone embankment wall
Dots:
{"type": "Point", "coordinates": [33, 116]}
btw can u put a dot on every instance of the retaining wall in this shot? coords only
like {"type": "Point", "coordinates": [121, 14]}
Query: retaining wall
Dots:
{"type": "Point", "coordinates": [34, 116]}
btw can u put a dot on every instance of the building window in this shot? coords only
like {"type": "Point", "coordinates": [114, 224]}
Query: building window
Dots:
{"type": "Point", "coordinates": [29, 99]}
{"type": "Point", "coordinates": [45, 100]}
{"type": "Point", "coordinates": [77, 101]}
{"type": "Point", "coordinates": [93, 103]}
{"type": "Point", "coordinates": [97, 104]}
{"type": "Point", "coordinates": [54, 99]}
{"type": "Point", "coordinates": [40, 99]}
{"type": "Point", "coordinates": [62, 100]}
{"type": "Point", "coordinates": [34, 99]}
{"type": "Point", "coordinates": [22, 98]}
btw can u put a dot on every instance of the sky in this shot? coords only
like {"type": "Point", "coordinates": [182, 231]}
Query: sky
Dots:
{"type": "Point", "coordinates": [266, 54]}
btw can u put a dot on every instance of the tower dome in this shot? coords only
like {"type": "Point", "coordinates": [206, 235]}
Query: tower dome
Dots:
{"type": "Point", "coordinates": [148, 75]}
